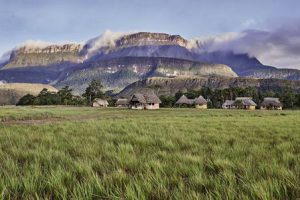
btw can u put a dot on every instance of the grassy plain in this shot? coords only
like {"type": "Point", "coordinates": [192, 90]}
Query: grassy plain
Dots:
{"type": "Point", "coordinates": [86, 153]}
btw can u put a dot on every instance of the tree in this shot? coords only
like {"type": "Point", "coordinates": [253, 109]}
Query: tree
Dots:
{"type": "Point", "coordinates": [298, 100]}
{"type": "Point", "coordinates": [167, 101]}
{"type": "Point", "coordinates": [94, 90]}
{"type": "Point", "coordinates": [26, 100]}
{"type": "Point", "coordinates": [239, 104]}
{"type": "Point", "coordinates": [65, 95]}
{"type": "Point", "coordinates": [47, 98]}
{"type": "Point", "coordinates": [288, 97]}
{"type": "Point", "coordinates": [178, 94]}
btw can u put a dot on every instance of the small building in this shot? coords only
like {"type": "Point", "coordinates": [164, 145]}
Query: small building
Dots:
{"type": "Point", "coordinates": [99, 103]}
{"type": "Point", "coordinates": [200, 103]}
{"type": "Point", "coordinates": [228, 104]}
{"type": "Point", "coordinates": [271, 103]}
{"type": "Point", "coordinates": [122, 103]}
{"type": "Point", "coordinates": [244, 103]}
{"type": "Point", "coordinates": [144, 101]}
{"type": "Point", "coordinates": [152, 102]}
{"type": "Point", "coordinates": [183, 100]}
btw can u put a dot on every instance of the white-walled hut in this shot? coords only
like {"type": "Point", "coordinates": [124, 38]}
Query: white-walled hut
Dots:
{"type": "Point", "coordinates": [137, 101]}
{"type": "Point", "coordinates": [271, 103]}
{"type": "Point", "coordinates": [183, 100]}
{"type": "Point", "coordinates": [152, 101]}
{"type": "Point", "coordinates": [144, 101]}
{"type": "Point", "coordinates": [200, 103]}
{"type": "Point", "coordinates": [99, 103]}
{"type": "Point", "coordinates": [122, 103]}
{"type": "Point", "coordinates": [228, 104]}
{"type": "Point", "coordinates": [244, 103]}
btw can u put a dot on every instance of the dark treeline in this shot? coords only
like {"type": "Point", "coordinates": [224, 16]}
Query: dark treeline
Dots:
{"type": "Point", "coordinates": [217, 97]}
{"type": "Point", "coordinates": [64, 96]}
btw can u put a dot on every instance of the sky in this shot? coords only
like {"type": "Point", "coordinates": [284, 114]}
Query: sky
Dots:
{"type": "Point", "coordinates": [80, 20]}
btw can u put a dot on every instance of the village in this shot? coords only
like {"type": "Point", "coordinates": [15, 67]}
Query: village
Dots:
{"type": "Point", "coordinates": [143, 101]}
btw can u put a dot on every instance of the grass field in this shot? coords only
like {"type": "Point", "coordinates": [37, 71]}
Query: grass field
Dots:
{"type": "Point", "coordinates": [86, 153]}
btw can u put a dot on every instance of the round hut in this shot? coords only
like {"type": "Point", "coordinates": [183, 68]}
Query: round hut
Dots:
{"type": "Point", "coordinates": [183, 100]}
{"type": "Point", "coordinates": [99, 103]}
{"type": "Point", "coordinates": [271, 103]}
{"type": "Point", "coordinates": [200, 103]}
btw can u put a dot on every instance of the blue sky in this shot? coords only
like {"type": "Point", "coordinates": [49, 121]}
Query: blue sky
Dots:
{"type": "Point", "coordinates": [80, 20]}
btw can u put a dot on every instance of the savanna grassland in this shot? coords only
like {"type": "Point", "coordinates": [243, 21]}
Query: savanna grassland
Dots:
{"type": "Point", "coordinates": [86, 153]}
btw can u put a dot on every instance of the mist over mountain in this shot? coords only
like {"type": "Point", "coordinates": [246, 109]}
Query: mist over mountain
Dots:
{"type": "Point", "coordinates": [278, 46]}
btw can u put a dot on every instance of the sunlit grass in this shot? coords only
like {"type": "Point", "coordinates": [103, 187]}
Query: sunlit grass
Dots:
{"type": "Point", "coordinates": [167, 154]}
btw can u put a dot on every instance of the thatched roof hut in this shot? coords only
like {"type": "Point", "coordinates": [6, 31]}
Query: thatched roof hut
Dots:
{"type": "Point", "coordinates": [144, 101]}
{"type": "Point", "coordinates": [245, 103]}
{"type": "Point", "coordinates": [122, 102]}
{"type": "Point", "coordinates": [271, 103]}
{"type": "Point", "coordinates": [100, 103]}
{"type": "Point", "coordinates": [184, 100]}
{"type": "Point", "coordinates": [200, 101]}
{"type": "Point", "coordinates": [228, 104]}
{"type": "Point", "coordinates": [138, 97]}
{"type": "Point", "coordinates": [152, 98]}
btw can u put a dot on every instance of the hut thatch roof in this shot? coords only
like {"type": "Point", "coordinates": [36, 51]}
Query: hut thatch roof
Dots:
{"type": "Point", "coordinates": [122, 102]}
{"type": "Point", "coordinates": [200, 101]}
{"type": "Point", "coordinates": [138, 97]}
{"type": "Point", "coordinates": [184, 100]}
{"type": "Point", "coordinates": [246, 101]}
{"type": "Point", "coordinates": [152, 98]}
{"type": "Point", "coordinates": [145, 98]}
{"type": "Point", "coordinates": [270, 101]}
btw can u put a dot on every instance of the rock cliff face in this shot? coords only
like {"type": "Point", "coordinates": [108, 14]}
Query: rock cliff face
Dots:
{"type": "Point", "coordinates": [117, 73]}
{"type": "Point", "coordinates": [169, 86]}
{"type": "Point", "coordinates": [45, 56]}
{"type": "Point", "coordinates": [146, 38]}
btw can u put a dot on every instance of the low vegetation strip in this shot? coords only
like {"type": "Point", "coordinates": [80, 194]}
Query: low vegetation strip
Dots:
{"type": "Point", "coordinates": [162, 154]}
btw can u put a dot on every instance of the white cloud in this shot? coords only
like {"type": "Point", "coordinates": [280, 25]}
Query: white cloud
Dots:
{"type": "Point", "coordinates": [107, 39]}
{"type": "Point", "coordinates": [34, 44]}
{"type": "Point", "coordinates": [279, 48]}
{"type": "Point", "coordinates": [5, 57]}
{"type": "Point", "coordinates": [39, 44]}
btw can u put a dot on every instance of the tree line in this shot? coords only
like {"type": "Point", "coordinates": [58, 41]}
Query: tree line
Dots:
{"type": "Point", "coordinates": [65, 96]}
{"type": "Point", "coordinates": [215, 97]}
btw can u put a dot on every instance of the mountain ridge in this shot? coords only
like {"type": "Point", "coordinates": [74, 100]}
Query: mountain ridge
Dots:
{"type": "Point", "coordinates": [61, 64]}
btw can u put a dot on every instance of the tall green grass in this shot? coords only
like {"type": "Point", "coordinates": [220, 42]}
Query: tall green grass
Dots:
{"type": "Point", "coordinates": [166, 154]}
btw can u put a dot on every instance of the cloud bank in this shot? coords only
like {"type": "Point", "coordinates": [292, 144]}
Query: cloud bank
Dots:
{"type": "Point", "coordinates": [107, 39]}
{"type": "Point", "coordinates": [5, 57]}
{"type": "Point", "coordinates": [279, 47]}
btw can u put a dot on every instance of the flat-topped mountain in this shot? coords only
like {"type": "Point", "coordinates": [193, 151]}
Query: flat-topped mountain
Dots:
{"type": "Point", "coordinates": [44, 56]}
{"type": "Point", "coordinates": [146, 38]}
{"type": "Point", "coordinates": [122, 59]}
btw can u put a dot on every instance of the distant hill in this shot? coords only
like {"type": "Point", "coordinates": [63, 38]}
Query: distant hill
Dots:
{"type": "Point", "coordinates": [11, 93]}
{"type": "Point", "coordinates": [169, 86]}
